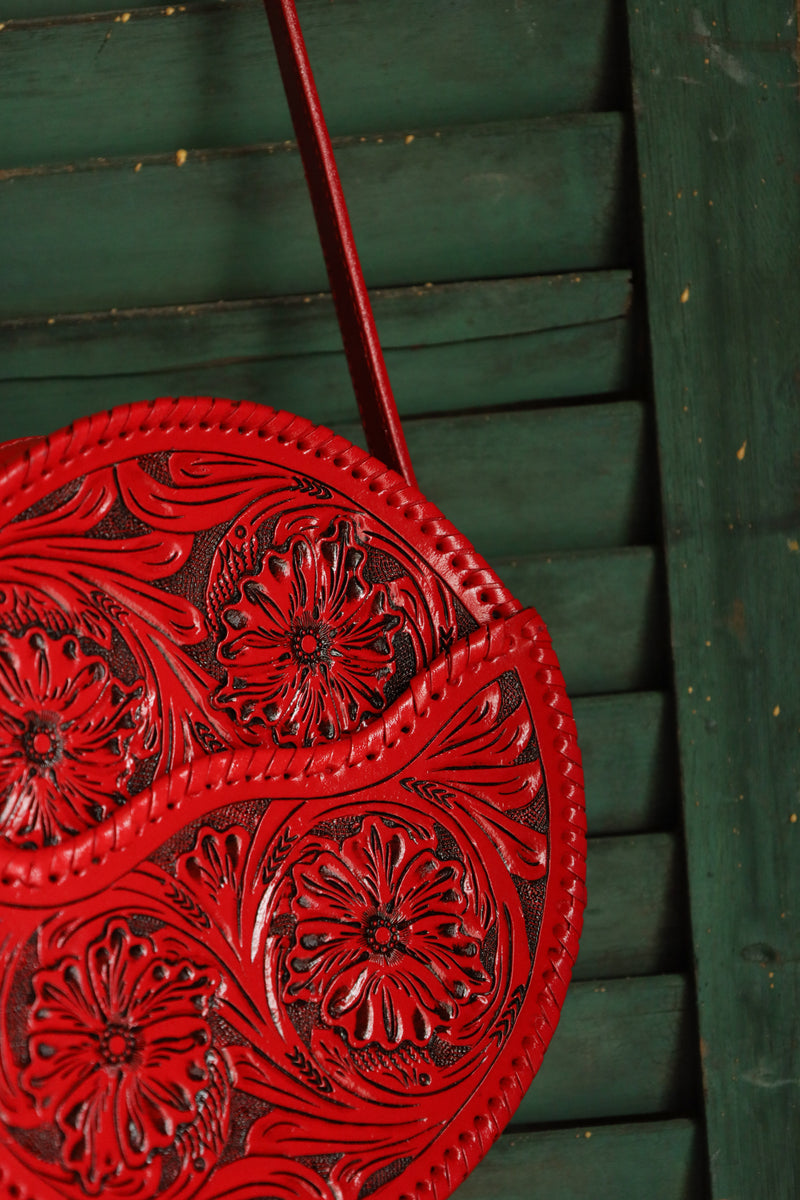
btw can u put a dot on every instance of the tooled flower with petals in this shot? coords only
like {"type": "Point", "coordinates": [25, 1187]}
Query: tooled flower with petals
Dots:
{"type": "Point", "coordinates": [384, 939]}
{"type": "Point", "coordinates": [66, 725]}
{"type": "Point", "coordinates": [306, 646]}
{"type": "Point", "coordinates": [119, 1045]}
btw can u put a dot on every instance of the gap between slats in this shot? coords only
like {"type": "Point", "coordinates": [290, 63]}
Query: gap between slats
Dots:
{"type": "Point", "coordinates": [233, 225]}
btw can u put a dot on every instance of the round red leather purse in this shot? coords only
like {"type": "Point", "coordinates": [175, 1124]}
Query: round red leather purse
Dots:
{"type": "Point", "coordinates": [291, 835]}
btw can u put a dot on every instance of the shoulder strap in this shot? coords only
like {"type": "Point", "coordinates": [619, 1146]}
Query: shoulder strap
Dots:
{"type": "Point", "coordinates": [376, 403]}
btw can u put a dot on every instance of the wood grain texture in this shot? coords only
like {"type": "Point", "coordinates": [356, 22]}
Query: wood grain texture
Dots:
{"type": "Point", "coordinates": [627, 746]}
{"type": "Point", "coordinates": [719, 142]}
{"type": "Point", "coordinates": [567, 363]}
{"type": "Point", "coordinates": [606, 614]}
{"type": "Point", "coordinates": [635, 916]}
{"type": "Point", "coordinates": [455, 346]}
{"type": "Point", "coordinates": [185, 336]}
{"type": "Point", "coordinates": [622, 1048]}
{"type": "Point", "coordinates": [496, 475]}
{"type": "Point", "coordinates": [605, 1162]}
{"type": "Point", "coordinates": [512, 198]}
{"type": "Point", "coordinates": [207, 76]}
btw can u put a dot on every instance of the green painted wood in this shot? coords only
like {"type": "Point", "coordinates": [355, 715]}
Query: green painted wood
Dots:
{"type": "Point", "coordinates": [482, 373]}
{"type": "Point", "coordinates": [29, 11]}
{"type": "Point", "coordinates": [719, 142]}
{"type": "Point", "coordinates": [635, 915]}
{"type": "Point", "coordinates": [623, 1048]}
{"type": "Point", "coordinates": [496, 475]}
{"type": "Point", "coordinates": [627, 747]}
{"type": "Point", "coordinates": [149, 340]}
{"type": "Point", "coordinates": [457, 346]}
{"type": "Point", "coordinates": [605, 1162]}
{"type": "Point", "coordinates": [515, 198]}
{"type": "Point", "coordinates": [207, 77]}
{"type": "Point", "coordinates": [478, 469]}
{"type": "Point", "coordinates": [606, 614]}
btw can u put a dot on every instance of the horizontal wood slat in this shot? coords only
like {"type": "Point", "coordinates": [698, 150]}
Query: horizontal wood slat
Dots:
{"type": "Point", "coordinates": [607, 1162]}
{"type": "Point", "coordinates": [515, 198]}
{"type": "Point", "coordinates": [628, 751]}
{"type": "Point", "coordinates": [29, 12]}
{"type": "Point", "coordinates": [207, 76]}
{"type": "Point", "coordinates": [581, 360]}
{"type": "Point", "coordinates": [494, 476]}
{"type": "Point", "coordinates": [606, 614]}
{"type": "Point", "coordinates": [635, 915]}
{"type": "Point", "coordinates": [622, 1049]}
{"type": "Point", "coordinates": [134, 341]}
{"type": "Point", "coordinates": [535, 482]}
{"type": "Point", "coordinates": [455, 346]}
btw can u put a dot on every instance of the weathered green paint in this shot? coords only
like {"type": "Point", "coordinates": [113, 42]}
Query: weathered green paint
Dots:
{"type": "Point", "coordinates": [496, 476]}
{"type": "Point", "coordinates": [453, 346]}
{"type": "Point", "coordinates": [605, 612]}
{"type": "Point", "coordinates": [232, 225]}
{"type": "Point", "coordinates": [627, 746]}
{"type": "Point", "coordinates": [718, 132]}
{"type": "Point", "coordinates": [135, 341]}
{"type": "Point", "coordinates": [649, 1159]}
{"type": "Point", "coordinates": [623, 1048]}
{"type": "Point", "coordinates": [634, 923]}
{"type": "Point", "coordinates": [582, 360]}
{"type": "Point", "coordinates": [207, 77]}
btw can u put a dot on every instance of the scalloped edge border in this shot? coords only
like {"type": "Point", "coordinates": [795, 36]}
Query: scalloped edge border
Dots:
{"type": "Point", "coordinates": [157, 422]}
{"type": "Point", "coordinates": [441, 1170]}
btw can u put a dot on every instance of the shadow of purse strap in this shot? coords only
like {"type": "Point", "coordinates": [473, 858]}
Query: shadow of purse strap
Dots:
{"type": "Point", "coordinates": [376, 404]}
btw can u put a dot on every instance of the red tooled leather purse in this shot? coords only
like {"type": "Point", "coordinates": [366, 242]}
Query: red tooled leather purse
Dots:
{"type": "Point", "coordinates": [292, 860]}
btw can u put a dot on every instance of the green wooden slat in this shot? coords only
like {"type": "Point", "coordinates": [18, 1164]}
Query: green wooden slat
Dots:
{"type": "Point", "coordinates": [517, 198]}
{"type": "Point", "coordinates": [556, 479]}
{"type": "Point", "coordinates": [634, 923]}
{"type": "Point", "coordinates": [629, 762]}
{"type": "Point", "coordinates": [494, 476]}
{"type": "Point", "coordinates": [165, 339]}
{"type": "Point", "coordinates": [582, 360]}
{"type": "Point", "coordinates": [622, 1049]}
{"type": "Point", "coordinates": [208, 78]}
{"type": "Point", "coordinates": [605, 612]}
{"type": "Point", "coordinates": [454, 346]}
{"type": "Point", "coordinates": [648, 1160]}
{"type": "Point", "coordinates": [25, 10]}
{"type": "Point", "coordinates": [725, 371]}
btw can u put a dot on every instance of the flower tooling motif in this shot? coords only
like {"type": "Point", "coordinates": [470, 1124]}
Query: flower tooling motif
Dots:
{"type": "Point", "coordinates": [66, 725]}
{"type": "Point", "coordinates": [385, 940]}
{"type": "Point", "coordinates": [120, 1052]}
{"type": "Point", "coordinates": [306, 646]}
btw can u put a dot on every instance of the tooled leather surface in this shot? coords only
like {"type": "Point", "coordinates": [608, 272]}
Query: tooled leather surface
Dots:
{"type": "Point", "coordinates": [207, 883]}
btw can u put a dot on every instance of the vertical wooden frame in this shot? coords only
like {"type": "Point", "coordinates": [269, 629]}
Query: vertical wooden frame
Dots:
{"type": "Point", "coordinates": [718, 137]}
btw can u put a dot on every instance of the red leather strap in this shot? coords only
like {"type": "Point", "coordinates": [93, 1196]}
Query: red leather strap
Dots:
{"type": "Point", "coordinates": [376, 403]}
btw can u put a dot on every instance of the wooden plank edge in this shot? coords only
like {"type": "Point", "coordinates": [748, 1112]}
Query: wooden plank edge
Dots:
{"type": "Point", "coordinates": [624, 1048]}
{"type": "Point", "coordinates": [424, 315]}
{"type": "Point", "coordinates": [611, 122]}
{"type": "Point", "coordinates": [594, 1161]}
